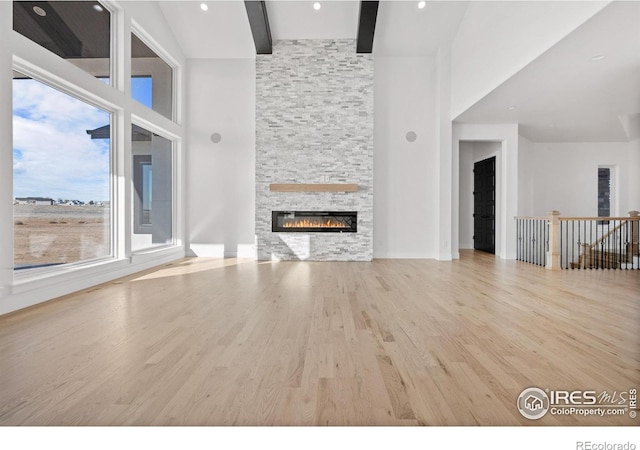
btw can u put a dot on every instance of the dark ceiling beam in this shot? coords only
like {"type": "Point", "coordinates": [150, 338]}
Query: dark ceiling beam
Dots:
{"type": "Point", "coordinates": [367, 26]}
{"type": "Point", "coordinates": [257, 13]}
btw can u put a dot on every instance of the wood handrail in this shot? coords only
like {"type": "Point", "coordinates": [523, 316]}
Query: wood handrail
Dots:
{"type": "Point", "coordinates": [578, 218]}
{"type": "Point", "coordinates": [632, 219]}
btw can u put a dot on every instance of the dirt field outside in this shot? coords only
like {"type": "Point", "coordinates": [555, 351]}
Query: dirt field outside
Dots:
{"type": "Point", "coordinates": [59, 234]}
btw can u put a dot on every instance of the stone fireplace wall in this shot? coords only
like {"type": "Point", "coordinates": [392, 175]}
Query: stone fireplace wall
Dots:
{"type": "Point", "coordinates": [314, 124]}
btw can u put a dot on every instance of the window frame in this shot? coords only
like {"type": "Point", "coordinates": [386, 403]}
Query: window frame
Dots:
{"type": "Point", "coordinates": [41, 76]}
{"type": "Point", "coordinates": [175, 208]}
{"type": "Point", "coordinates": [37, 62]}
{"type": "Point", "coordinates": [150, 42]}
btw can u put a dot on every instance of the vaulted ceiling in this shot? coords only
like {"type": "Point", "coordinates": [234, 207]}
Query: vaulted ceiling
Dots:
{"type": "Point", "coordinates": [563, 95]}
{"type": "Point", "coordinates": [223, 31]}
{"type": "Point", "coordinates": [586, 88]}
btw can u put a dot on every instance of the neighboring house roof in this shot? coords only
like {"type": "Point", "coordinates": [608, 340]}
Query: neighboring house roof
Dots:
{"type": "Point", "coordinates": [137, 133]}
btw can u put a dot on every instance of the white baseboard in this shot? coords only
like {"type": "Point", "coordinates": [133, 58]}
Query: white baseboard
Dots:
{"type": "Point", "coordinates": [445, 257]}
{"type": "Point", "coordinates": [221, 251]}
{"type": "Point", "coordinates": [246, 251]}
{"type": "Point", "coordinates": [207, 250]}
{"type": "Point", "coordinates": [404, 255]}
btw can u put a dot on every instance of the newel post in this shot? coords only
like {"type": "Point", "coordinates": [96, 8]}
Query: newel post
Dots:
{"type": "Point", "coordinates": [553, 255]}
{"type": "Point", "coordinates": [635, 231]}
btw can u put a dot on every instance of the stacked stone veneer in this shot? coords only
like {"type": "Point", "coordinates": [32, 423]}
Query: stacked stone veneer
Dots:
{"type": "Point", "coordinates": [314, 124]}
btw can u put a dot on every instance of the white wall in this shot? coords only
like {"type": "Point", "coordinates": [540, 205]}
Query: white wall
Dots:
{"type": "Point", "coordinates": [471, 153]}
{"type": "Point", "coordinates": [465, 218]}
{"type": "Point", "coordinates": [526, 176]}
{"type": "Point", "coordinates": [444, 160]}
{"type": "Point", "coordinates": [506, 171]}
{"type": "Point", "coordinates": [221, 181]}
{"type": "Point", "coordinates": [406, 204]}
{"type": "Point", "coordinates": [497, 39]}
{"type": "Point", "coordinates": [566, 176]}
{"type": "Point", "coordinates": [634, 175]}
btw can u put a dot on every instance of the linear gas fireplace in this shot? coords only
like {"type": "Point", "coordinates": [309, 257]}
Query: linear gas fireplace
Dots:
{"type": "Point", "coordinates": [314, 221]}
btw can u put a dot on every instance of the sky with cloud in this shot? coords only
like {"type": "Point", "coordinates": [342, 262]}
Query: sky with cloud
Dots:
{"type": "Point", "coordinates": [53, 154]}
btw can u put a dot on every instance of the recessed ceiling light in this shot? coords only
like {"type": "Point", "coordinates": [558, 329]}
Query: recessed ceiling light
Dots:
{"type": "Point", "coordinates": [98, 8]}
{"type": "Point", "coordinates": [39, 11]}
{"type": "Point", "coordinates": [598, 57]}
{"type": "Point", "coordinates": [204, 6]}
{"type": "Point", "coordinates": [317, 6]}
{"type": "Point", "coordinates": [512, 107]}
{"type": "Point", "coordinates": [422, 4]}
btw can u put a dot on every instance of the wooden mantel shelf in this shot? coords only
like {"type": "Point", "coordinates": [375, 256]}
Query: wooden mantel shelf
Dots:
{"type": "Point", "coordinates": [300, 187]}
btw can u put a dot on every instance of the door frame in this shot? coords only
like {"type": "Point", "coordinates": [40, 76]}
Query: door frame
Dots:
{"type": "Point", "coordinates": [508, 168]}
{"type": "Point", "coordinates": [467, 213]}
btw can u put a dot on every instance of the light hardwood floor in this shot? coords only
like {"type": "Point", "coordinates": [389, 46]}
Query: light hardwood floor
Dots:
{"type": "Point", "coordinates": [393, 342]}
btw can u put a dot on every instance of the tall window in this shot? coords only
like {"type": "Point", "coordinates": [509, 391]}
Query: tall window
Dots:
{"type": "Point", "coordinates": [61, 177]}
{"type": "Point", "coordinates": [152, 189]}
{"type": "Point", "coordinates": [605, 191]}
{"type": "Point", "coordinates": [78, 31]}
{"type": "Point", "coordinates": [64, 136]}
{"type": "Point", "coordinates": [151, 78]}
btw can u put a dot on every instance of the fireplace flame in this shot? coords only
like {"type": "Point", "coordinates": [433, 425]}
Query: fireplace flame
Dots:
{"type": "Point", "coordinates": [313, 223]}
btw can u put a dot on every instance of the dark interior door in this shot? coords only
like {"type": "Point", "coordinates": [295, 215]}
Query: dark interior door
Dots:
{"type": "Point", "coordinates": [484, 205]}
